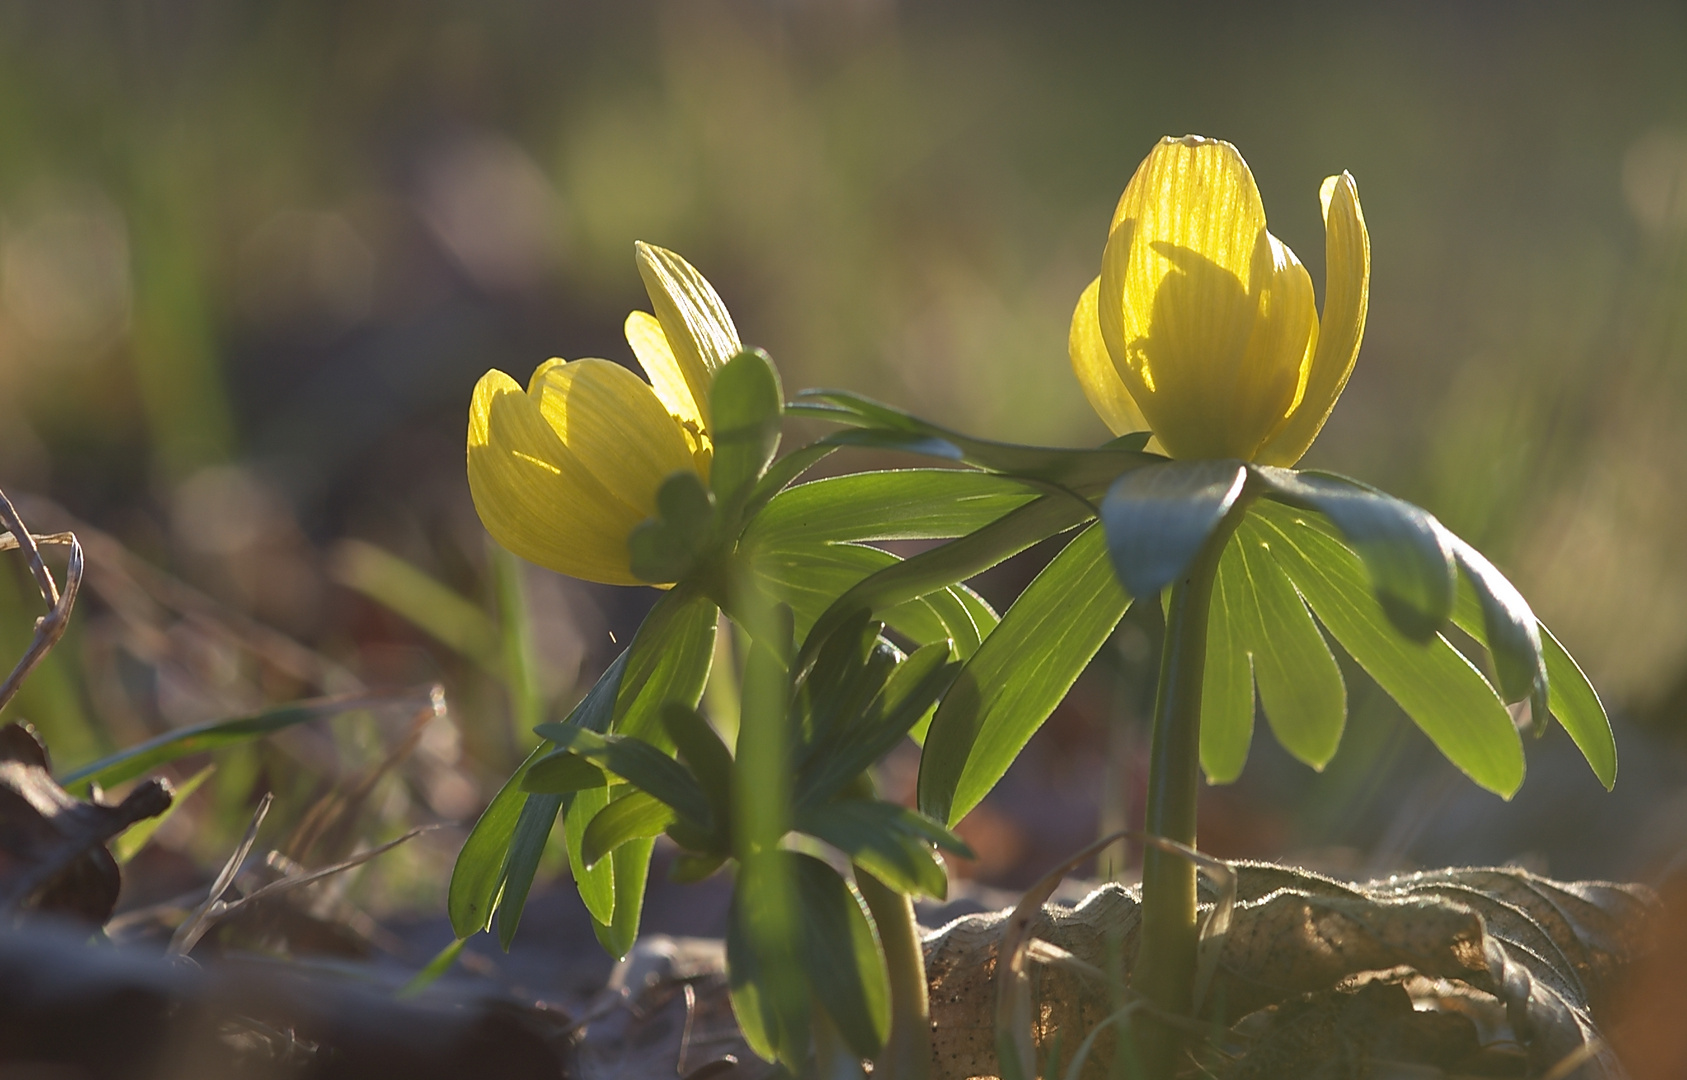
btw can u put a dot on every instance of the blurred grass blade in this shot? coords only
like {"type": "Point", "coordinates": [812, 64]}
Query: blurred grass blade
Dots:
{"type": "Point", "coordinates": [1403, 547]}
{"type": "Point", "coordinates": [439, 611]}
{"type": "Point", "coordinates": [1227, 682]}
{"type": "Point", "coordinates": [518, 662]}
{"type": "Point", "coordinates": [1158, 518]}
{"type": "Point", "coordinates": [128, 843]}
{"type": "Point", "coordinates": [142, 757]}
{"type": "Point", "coordinates": [1437, 687]}
{"type": "Point", "coordinates": [1018, 676]}
{"type": "Point", "coordinates": [430, 974]}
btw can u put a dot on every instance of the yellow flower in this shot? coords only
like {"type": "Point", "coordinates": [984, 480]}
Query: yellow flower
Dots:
{"type": "Point", "coordinates": [1202, 326]}
{"type": "Point", "coordinates": [562, 473]}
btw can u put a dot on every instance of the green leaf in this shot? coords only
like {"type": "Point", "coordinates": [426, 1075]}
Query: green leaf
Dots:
{"type": "Point", "coordinates": [1577, 706]}
{"type": "Point", "coordinates": [809, 579]}
{"type": "Point", "coordinates": [562, 774]}
{"type": "Point", "coordinates": [631, 867]}
{"type": "Point", "coordinates": [706, 756]}
{"type": "Point", "coordinates": [1509, 629]}
{"type": "Point", "coordinates": [431, 972]}
{"type": "Point", "coordinates": [1300, 685]}
{"type": "Point", "coordinates": [1404, 548]}
{"type": "Point", "coordinates": [668, 661]}
{"type": "Point", "coordinates": [635, 815]}
{"type": "Point", "coordinates": [1438, 688]}
{"type": "Point", "coordinates": [770, 995]}
{"type": "Point", "coordinates": [1227, 681]}
{"type": "Point", "coordinates": [744, 406]}
{"type": "Point", "coordinates": [527, 844]}
{"type": "Point", "coordinates": [1158, 518]}
{"type": "Point", "coordinates": [670, 545]}
{"type": "Point", "coordinates": [871, 834]}
{"type": "Point", "coordinates": [1018, 676]}
{"type": "Point", "coordinates": [145, 756]}
{"type": "Point", "coordinates": [955, 561]}
{"type": "Point", "coordinates": [762, 776]}
{"type": "Point", "coordinates": [596, 884]}
{"type": "Point", "coordinates": [884, 427]}
{"type": "Point", "coordinates": [840, 956]}
{"type": "Point", "coordinates": [128, 843]}
{"type": "Point", "coordinates": [638, 763]}
{"type": "Point", "coordinates": [782, 474]}
{"type": "Point", "coordinates": [901, 504]}
{"type": "Point", "coordinates": [477, 878]}
{"type": "Point", "coordinates": [855, 742]}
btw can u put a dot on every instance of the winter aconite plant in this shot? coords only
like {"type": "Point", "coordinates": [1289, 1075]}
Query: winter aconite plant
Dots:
{"type": "Point", "coordinates": [1201, 345]}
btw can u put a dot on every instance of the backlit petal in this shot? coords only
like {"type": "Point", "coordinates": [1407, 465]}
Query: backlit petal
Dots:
{"type": "Point", "coordinates": [535, 496]}
{"type": "Point", "coordinates": [1347, 263]}
{"type": "Point", "coordinates": [650, 345]}
{"type": "Point", "coordinates": [1179, 295]}
{"type": "Point", "coordinates": [614, 425]}
{"type": "Point", "coordinates": [694, 321]}
{"type": "Point", "coordinates": [1100, 381]}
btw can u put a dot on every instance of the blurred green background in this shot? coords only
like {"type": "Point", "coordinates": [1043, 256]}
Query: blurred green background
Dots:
{"type": "Point", "coordinates": [253, 257]}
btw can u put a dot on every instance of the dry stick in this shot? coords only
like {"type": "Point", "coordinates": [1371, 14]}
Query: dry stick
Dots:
{"type": "Point", "coordinates": [50, 627]}
{"type": "Point", "coordinates": [214, 908]}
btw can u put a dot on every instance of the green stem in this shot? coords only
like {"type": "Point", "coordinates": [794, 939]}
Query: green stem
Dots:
{"type": "Point", "coordinates": [1165, 962]}
{"type": "Point", "coordinates": [907, 1053]}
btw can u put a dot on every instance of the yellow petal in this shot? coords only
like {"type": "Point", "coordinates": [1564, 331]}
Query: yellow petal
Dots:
{"type": "Point", "coordinates": [535, 496]}
{"type": "Point", "coordinates": [614, 425]}
{"type": "Point", "coordinates": [1206, 315]}
{"type": "Point", "coordinates": [650, 345]}
{"type": "Point", "coordinates": [1101, 383]}
{"type": "Point", "coordinates": [1347, 283]}
{"type": "Point", "coordinates": [694, 321]}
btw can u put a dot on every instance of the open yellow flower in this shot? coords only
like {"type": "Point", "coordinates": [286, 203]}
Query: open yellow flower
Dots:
{"type": "Point", "coordinates": [1202, 326]}
{"type": "Point", "coordinates": [563, 472]}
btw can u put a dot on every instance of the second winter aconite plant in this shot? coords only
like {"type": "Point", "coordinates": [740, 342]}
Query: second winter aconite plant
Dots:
{"type": "Point", "coordinates": [1201, 345]}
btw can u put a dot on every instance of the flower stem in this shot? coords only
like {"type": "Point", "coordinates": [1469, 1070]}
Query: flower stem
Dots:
{"type": "Point", "coordinates": [907, 1053]}
{"type": "Point", "coordinates": [1165, 962]}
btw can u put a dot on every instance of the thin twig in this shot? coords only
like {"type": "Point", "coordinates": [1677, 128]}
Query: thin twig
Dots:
{"type": "Point", "coordinates": [188, 933]}
{"type": "Point", "coordinates": [50, 627]}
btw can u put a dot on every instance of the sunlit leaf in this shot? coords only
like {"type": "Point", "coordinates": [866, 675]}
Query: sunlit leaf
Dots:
{"type": "Point", "coordinates": [1402, 546]}
{"type": "Point", "coordinates": [840, 956]}
{"type": "Point", "coordinates": [1227, 681]}
{"type": "Point", "coordinates": [1017, 677]}
{"type": "Point", "coordinates": [1438, 688]}
{"type": "Point", "coordinates": [635, 815]}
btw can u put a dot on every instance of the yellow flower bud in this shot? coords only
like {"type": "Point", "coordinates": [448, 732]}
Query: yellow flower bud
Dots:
{"type": "Point", "coordinates": [562, 472]}
{"type": "Point", "coordinates": [1202, 326]}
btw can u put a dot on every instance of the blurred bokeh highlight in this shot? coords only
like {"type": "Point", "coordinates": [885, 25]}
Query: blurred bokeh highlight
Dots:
{"type": "Point", "coordinates": [254, 256]}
